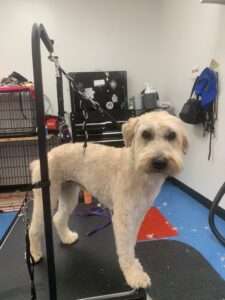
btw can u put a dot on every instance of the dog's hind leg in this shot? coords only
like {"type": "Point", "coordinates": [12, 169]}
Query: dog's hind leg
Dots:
{"type": "Point", "coordinates": [36, 230]}
{"type": "Point", "coordinates": [67, 202]}
{"type": "Point", "coordinates": [36, 226]}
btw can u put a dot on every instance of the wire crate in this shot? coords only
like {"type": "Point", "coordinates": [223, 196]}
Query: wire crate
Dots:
{"type": "Point", "coordinates": [17, 114]}
{"type": "Point", "coordinates": [16, 154]}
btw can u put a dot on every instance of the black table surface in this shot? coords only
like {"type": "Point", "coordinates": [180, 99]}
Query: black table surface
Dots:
{"type": "Point", "coordinates": [90, 267]}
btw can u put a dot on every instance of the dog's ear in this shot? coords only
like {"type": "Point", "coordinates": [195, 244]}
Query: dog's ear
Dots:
{"type": "Point", "coordinates": [128, 130]}
{"type": "Point", "coordinates": [184, 136]}
{"type": "Point", "coordinates": [185, 143]}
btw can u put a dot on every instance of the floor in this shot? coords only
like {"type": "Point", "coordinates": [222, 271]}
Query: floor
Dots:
{"type": "Point", "coordinates": [6, 221]}
{"type": "Point", "coordinates": [190, 218]}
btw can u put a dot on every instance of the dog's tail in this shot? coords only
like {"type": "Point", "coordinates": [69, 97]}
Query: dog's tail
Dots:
{"type": "Point", "coordinates": [35, 171]}
{"type": "Point", "coordinates": [33, 164]}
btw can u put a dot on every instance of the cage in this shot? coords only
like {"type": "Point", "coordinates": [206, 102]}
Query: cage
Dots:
{"type": "Point", "coordinates": [16, 154]}
{"type": "Point", "coordinates": [18, 136]}
{"type": "Point", "coordinates": [17, 112]}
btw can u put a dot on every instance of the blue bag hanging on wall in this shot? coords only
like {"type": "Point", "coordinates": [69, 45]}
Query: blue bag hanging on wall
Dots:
{"type": "Point", "coordinates": [207, 87]}
{"type": "Point", "coordinates": [202, 108]}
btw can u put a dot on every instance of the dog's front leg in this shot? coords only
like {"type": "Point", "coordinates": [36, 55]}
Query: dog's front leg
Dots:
{"type": "Point", "coordinates": [126, 222]}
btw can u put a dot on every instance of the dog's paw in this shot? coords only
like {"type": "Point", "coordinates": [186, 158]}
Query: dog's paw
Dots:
{"type": "Point", "coordinates": [70, 238]}
{"type": "Point", "coordinates": [35, 247]}
{"type": "Point", "coordinates": [37, 256]}
{"type": "Point", "coordinates": [136, 277]}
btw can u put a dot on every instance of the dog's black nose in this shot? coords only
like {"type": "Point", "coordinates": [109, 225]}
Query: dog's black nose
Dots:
{"type": "Point", "coordinates": [159, 163]}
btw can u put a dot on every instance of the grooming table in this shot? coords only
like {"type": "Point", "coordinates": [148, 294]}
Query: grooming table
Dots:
{"type": "Point", "coordinates": [90, 268]}
{"type": "Point", "coordinates": [85, 269]}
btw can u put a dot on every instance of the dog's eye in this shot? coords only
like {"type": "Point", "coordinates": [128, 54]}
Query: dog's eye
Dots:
{"type": "Point", "coordinates": [147, 135]}
{"type": "Point", "coordinates": [171, 136]}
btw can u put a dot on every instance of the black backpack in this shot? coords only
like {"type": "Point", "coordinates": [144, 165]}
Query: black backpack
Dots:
{"type": "Point", "coordinates": [201, 107]}
{"type": "Point", "coordinates": [192, 111]}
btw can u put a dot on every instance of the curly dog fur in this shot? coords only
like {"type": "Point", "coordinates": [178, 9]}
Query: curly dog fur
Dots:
{"type": "Point", "coordinates": [127, 180]}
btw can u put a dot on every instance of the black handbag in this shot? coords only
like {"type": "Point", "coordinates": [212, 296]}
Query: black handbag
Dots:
{"type": "Point", "coordinates": [192, 111]}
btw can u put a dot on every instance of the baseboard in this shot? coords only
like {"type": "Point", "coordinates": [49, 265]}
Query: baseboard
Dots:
{"type": "Point", "coordinates": [197, 196]}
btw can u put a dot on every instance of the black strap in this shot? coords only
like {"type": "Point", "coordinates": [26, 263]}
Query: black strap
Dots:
{"type": "Point", "coordinates": [194, 86]}
{"type": "Point", "coordinates": [210, 145]}
{"type": "Point", "coordinates": [211, 127]}
{"type": "Point", "coordinates": [30, 266]}
{"type": "Point", "coordinates": [28, 256]}
{"type": "Point", "coordinates": [212, 115]}
{"type": "Point", "coordinates": [208, 124]}
{"type": "Point", "coordinates": [85, 118]}
{"type": "Point", "coordinates": [41, 184]}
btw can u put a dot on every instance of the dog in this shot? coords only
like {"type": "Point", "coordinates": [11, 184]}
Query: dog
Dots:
{"type": "Point", "coordinates": [126, 180]}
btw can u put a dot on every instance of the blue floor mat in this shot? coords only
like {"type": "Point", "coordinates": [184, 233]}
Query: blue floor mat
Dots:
{"type": "Point", "coordinates": [191, 220]}
{"type": "Point", "coordinates": [6, 221]}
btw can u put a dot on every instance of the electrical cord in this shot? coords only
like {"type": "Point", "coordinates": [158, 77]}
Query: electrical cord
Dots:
{"type": "Point", "coordinates": [212, 213]}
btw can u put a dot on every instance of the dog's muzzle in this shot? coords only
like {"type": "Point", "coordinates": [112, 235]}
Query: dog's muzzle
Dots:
{"type": "Point", "coordinates": [159, 164]}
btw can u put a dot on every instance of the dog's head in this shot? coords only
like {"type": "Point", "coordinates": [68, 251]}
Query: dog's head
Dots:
{"type": "Point", "coordinates": [157, 141]}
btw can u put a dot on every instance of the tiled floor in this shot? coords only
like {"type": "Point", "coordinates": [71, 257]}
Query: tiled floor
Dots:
{"type": "Point", "coordinates": [6, 219]}
{"type": "Point", "coordinates": [191, 220]}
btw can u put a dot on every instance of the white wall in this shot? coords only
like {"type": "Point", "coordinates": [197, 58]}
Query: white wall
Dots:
{"type": "Point", "coordinates": [193, 34]}
{"type": "Point", "coordinates": [156, 41]}
{"type": "Point", "coordinates": [90, 35]}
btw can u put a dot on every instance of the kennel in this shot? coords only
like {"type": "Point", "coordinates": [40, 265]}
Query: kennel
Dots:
{"type": "Point", "coordinates": [17, 113]}
{"type": "Point", "coordinates": [18, 137]}
{"type": "Point", "coordinates": [18, 128]}
{"type": "Point", "coordinates": [16, 154]}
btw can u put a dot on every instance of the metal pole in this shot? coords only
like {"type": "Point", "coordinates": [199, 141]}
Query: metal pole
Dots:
{"type": "Point", "coordinates": [37, 32]}
{"type": "Point", "coordinates": [220, 194]}
{"type": "Point", "coordinates": [59, 84]}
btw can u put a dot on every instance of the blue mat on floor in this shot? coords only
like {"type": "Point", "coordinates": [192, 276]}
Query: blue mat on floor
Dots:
{"type": "Point", "coordinates": [191, 220]}
{"type": "Point", "coordinates": [6, 221]}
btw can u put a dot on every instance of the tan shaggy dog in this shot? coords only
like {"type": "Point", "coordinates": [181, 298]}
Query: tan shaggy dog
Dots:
{"type": "Point", "coordinates": [126, 180]}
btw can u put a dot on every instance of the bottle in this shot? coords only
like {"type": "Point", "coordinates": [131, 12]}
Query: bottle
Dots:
{"type": "Point", "coordinates": [131, 103]}
{"type": "Point", "coordinates": [149, 98]}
